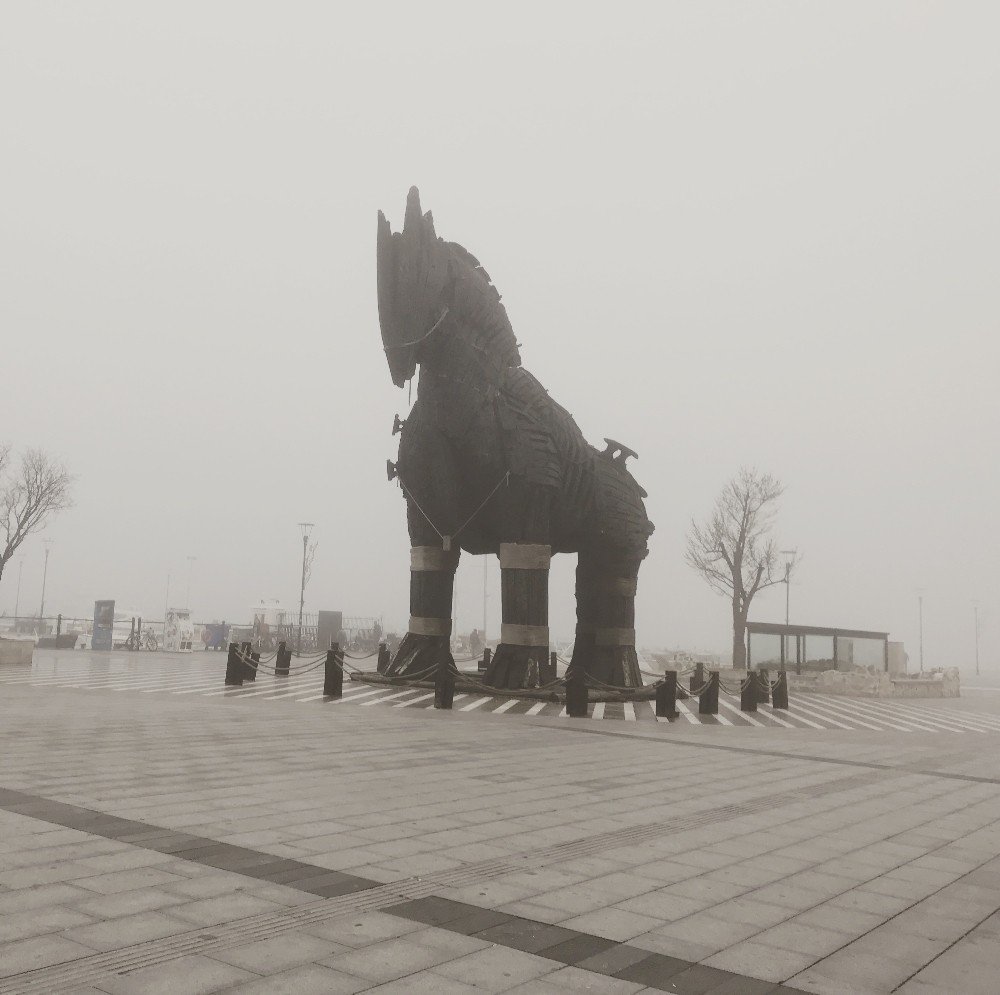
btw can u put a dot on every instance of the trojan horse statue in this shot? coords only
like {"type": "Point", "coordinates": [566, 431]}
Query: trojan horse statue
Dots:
{"type": "Point", "coordinates": [489, 463]}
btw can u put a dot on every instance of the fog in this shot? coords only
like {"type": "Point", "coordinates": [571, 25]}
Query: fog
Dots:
{"type": "Point", "coordinates": [725, 234]}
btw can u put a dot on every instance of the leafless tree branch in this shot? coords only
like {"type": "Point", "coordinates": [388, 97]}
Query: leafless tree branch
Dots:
{"type": "Point", "coordinates": [733, 549]}
{"type": "Point", "coordinates": [29, 495]}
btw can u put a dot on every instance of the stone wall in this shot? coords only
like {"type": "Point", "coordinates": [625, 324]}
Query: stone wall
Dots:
{"type": "Point", "coordinates": [935, 684]}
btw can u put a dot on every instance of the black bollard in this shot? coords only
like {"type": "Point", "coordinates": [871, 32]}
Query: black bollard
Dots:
{"type": "Point", "coordinates": [779, 696]}
{"type": "Point", "coordinates": [444, 681]}
{"type": "Point", "coordinates": [58, 625]}
{"type": "Point", "coordinates": [749, 693]}
{"type": "Point", "coordinates": [282, 661]}
{"type": "Point", "coordinates": [383, 659]}
{"type": "Point", "coordinates": [484, 662]}
{"type": "Point", "coordinates": [333, 676]}
{"type": "Point", "coordinates": [249, 674]}
{"type": "Point", "coordinates": [708, 703]}
{"type": "Point", "coordinates": [577, 697]}
{"type": "Point", "coordinates": [696, 680]}
{"type": "Point", "coordinates": [763, 687]}
{"type": "Point", "coordinates": [666, 696]}
{"type": "Point", "coordinates": [255, 656]}
{"type": "Point", "coordinates": [234, 669]}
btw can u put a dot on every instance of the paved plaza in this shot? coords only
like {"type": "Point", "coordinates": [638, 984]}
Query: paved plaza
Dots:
{"type": "Point", "coordinates": [164, 834]}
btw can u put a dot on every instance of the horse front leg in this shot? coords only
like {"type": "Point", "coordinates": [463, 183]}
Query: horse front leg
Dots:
{"type": "Point", "coordinates": [607, 649]}
{"type": "Point", "coordinates": [430, 488]}
{"type": "Point", "coordinates": [432, 581]}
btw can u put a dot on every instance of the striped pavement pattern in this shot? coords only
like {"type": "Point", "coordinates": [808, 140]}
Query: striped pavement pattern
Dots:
{"type": "Point", "coordinates": [204, 679]}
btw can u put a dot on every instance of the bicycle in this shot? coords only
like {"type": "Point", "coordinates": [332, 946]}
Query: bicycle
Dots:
{"type": "Point", "coordinates": [147, 640]}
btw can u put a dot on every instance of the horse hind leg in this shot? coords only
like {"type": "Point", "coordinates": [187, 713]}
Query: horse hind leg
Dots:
{"type": "Point", "coordinates": [606, 587]}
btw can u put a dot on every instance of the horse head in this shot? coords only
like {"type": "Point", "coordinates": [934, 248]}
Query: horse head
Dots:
{"type": "Point", "coordinates": [428, 288]}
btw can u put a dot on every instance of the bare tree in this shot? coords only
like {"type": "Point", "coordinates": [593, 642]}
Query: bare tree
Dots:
{"type": "Point", "coordinates": [733, 549]}
{"type": "Point", "coordinates": [29, 495]}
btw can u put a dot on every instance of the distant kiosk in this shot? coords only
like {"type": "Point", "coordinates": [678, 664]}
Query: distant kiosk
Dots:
{"type": "Point", "coordinates": [178, 632]}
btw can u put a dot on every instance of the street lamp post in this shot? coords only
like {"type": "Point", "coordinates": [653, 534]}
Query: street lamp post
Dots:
{"type": "Point", "coordinates": [45, 574]}
{"type": "Point", "coordinates": [789, 555]}
{"type": "Point", "coordinates": [306, 528]}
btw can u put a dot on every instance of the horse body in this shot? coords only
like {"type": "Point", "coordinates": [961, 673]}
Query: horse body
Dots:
{"type": "Point", "coordinates": [489, 463]}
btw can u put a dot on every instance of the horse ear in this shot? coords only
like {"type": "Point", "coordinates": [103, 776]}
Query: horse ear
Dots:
{"type": "Point", "coordinates": [413, 215]}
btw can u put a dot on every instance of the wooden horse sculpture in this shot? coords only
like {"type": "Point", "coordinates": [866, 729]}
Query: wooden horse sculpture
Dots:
{"type": "Point", "coordinates": [489, 463]}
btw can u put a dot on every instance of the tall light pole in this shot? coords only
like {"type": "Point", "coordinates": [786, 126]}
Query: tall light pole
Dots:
{"type": "Point", "coordinates": [485, 565]}
{"type": "Point", "coordinates": [306, 528]}
{"type": "Point", "coordinates": [789, 555]}
{"type": "Point", "coordinates": [975, 612]}
{"type": "Point", "coordinates": [187, 600]}
{"type": "Point", "coordinates": [47, 543]}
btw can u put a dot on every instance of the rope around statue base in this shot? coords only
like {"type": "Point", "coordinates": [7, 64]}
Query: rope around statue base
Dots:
{"type": "Point", "coordinates": [597, 691]}
{"type": "Point", "coordinates": [554, 691]}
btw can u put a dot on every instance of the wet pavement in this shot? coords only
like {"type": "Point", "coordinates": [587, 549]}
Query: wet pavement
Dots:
{"type": "Point", "coordinates": [163, 834]}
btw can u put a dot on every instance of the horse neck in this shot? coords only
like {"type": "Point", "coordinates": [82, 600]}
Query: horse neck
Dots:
{"type": "Point", "coordinates": [463, 353]}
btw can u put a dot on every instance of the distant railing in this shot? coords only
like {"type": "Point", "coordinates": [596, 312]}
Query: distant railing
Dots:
{"type": "Point", "coordinates": [356, 631]}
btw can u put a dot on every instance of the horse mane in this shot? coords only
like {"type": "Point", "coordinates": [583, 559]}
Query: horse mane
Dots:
{"type": "Point", "coordinates": [479, 304]}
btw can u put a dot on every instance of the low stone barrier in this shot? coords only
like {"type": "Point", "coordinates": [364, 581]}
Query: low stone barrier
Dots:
{"type": "Point", "coordinates": [937, 684]}
{"type": "Point", "coordinates": [14, 650]}
{"type": "Point", "coordinates": [865, 683]}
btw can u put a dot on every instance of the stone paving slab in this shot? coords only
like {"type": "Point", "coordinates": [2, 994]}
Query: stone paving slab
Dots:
{"type": "Point", "coordinates": [203, 843]}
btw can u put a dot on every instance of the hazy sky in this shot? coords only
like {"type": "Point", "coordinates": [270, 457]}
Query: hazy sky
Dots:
{"type": "Point", "coordinates": [725, 233]}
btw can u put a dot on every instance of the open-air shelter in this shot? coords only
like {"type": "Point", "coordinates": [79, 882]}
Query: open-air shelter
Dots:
{"type": "Point", "coordinates": [773, 644]}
